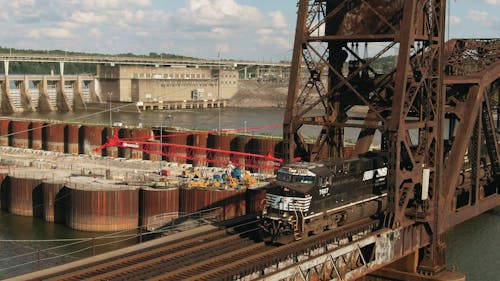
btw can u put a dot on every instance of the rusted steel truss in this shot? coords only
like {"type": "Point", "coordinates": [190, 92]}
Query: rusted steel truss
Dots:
{"type": "Point", "coordinates": [400, 110]}
{"type": "Point", "coordinates": [471, 153]}
{"type": "Point", "coordinates": [343, 88]}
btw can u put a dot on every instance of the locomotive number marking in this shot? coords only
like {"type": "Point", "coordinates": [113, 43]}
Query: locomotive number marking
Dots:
{"type": "Point", "coordinates": [323, 191]}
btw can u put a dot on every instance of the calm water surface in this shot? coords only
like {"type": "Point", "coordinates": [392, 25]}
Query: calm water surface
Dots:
{"type": "Point", "coordinates": [473, 247]}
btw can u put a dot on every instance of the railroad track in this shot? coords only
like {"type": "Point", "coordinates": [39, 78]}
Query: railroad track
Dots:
{"type": "Point", "coordinates": [149, 262]}
{"type": "Point", "coordinates": [238, 268]}
{"type": "Point", "coordinates": [216, 255]}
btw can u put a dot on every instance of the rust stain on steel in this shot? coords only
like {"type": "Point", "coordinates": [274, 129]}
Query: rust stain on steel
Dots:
{"type": "Point", "coordinates": [157, 149]}
{"type": "Point", "coordinates": [199, 140]}
{"type": "Point", "coordinates": [264, 147]}
{"type": "Point", "coordinates": [36, 135]}
{"type": "Point", "coordinates": [368, 18]}
{"type": "Point", "coordinates": [20, 138]}
{"type": "Point", "coordinates": [72, 138]}
{"type": "Point", "coordinates": [55, 137]}
{"type": "Point", "coordinates": [255, 200]}
{"type": "Point", "coordinates": [90, 209]}
{"type": "Point", "coordinates": [222, 142]}
{"type": "Point", "coordinates": [50, 191]}
{"type": "Point", "coordinates": [93, 138]}
{"type": "Point", "coordinates": [22, 195]}
{"type": "Point", "coordinates": [157, 201]}
{"type": "Point", "coordinates": [141, 134]}
{"type": "Point", "coordinates": [125, 152]}
{"type": "Point", "coordinates": [111, 151]}
{"type": "Point", "coordinates": [240, 144]}
{"type": "Point", "coordinates": [232, 202]}
{"type": "Point", "coordinates": [4, 132]}
{"type": "Point", "coordinates": [177, 154]}
{"type": "Point", "coordinates": [4, 190]}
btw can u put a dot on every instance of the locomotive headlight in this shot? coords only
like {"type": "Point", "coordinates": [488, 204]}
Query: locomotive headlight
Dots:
{"type": "Point", "coordinates": [285, 215]}
{"type": "Point", "coordinates": [264, 211]}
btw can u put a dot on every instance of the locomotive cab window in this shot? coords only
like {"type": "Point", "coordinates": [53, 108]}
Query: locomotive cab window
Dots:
{"type": "Point", "coordinates": [322, 181]}
{"type": "Point", "coordinates": [287, 177]}
{"type": "Point", "coordinates": [303, 179]}
{"type": "Point", "coordinates": [282, 176]}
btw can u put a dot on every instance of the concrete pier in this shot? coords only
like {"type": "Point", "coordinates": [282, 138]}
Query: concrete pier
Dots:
{"type": "Point", "coordinates": [43, 93]}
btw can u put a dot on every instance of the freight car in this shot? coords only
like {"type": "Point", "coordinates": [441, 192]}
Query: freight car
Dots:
{"type": "Point", "coordinates": [310, 197]}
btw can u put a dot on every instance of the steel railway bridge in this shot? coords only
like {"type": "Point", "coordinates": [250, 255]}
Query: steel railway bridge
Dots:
{"type": "Point", "coordinates": [433, 113]}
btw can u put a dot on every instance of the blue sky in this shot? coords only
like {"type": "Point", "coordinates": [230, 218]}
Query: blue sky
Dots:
{"type": "Point", "coordinates": [239, 29]}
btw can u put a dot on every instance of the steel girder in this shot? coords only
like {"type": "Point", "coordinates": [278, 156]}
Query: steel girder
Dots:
{"type": "Point", "coordinates": [472, 171]}
{"type": "Point", "coordinates": [404, 104]}
{"type": "Point", "coordinates": [339, 88]}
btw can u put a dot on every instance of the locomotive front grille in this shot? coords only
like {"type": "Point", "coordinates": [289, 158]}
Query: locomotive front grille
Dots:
{"type": "Point", "coordinates": [290, 204]}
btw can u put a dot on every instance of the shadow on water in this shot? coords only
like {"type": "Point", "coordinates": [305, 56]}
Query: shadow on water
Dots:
{"type": "Point", "coordinates": [473, 247]}
{"type": "Point", "coordinates": [26, 240]}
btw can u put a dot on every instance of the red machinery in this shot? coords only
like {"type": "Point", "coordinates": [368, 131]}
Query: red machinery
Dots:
{"type": "Point", "coordinates": [195, 153]}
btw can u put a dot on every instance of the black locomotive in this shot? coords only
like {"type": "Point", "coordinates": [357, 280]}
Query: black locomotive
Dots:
{"type": "Point", "coordinates": [307, 198]}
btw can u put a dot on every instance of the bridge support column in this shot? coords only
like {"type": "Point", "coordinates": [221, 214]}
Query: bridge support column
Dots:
{"type": "Point", "coordinates": [6, 67]}
{"type": "Point", "coordinates": [26, 96]}
{"type": "Point", "coordinates": [44, 104]}
{"type": "Point", "coordinates": [78, 102]}
{"type": "Point", "coordinates": [94, 95]}
{"type": "Point", "coordinates": [6, 99]}
{"type": "Point", "coordinates": [62, 99]}
{"type": "Point", "coordinates": [8, 105]}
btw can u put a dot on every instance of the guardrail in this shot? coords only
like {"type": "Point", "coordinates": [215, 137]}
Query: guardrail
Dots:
{"type": "Point", "coordinates": [161, 221]}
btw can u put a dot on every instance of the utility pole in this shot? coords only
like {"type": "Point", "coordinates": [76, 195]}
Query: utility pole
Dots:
{"type": "Point", "coordinates": [218, 91]}
{"type": "Point", "coordinates": [161, 145]}
{"type": "Point", "coordinates": [109, 135]}
{"type": "Point", "coordinates": [110, 116]}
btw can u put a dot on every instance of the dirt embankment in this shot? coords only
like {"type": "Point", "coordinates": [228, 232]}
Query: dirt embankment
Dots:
{"type": "Point", "coordinates": [259, 94]}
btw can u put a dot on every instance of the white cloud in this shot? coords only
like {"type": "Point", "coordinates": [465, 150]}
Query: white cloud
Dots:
{"type": "Point", "coordinates": [220, 13]}
{"type": "Point", "coordinates": [477, 15]}
{"type": "Point", "coordinates": [51, 33]}
{"type": "Point", "coordinates": [19, 4]}
{"type": "Point", "coordinates": [264, 31]}
{"type": "Point", "coordinates": [454, 20]}
{"type": "Point", "coordinates": [198, 27]}
{"type": "Point", "coordinates": [275, 41]}
{"type": "Point", "coordinates": [493, 2]}
{"type": "Point", "coordinates": [139, 15]}
{"type": "Point", "coordinates": [219, 31]}
{"type": "Point", "coordinates": [100, 5]}
{"type": "Point", "coordinates": [69, 25]}
{"type": "Point", "coordinates": [95, 32]}
{"type": "Point", "coordinates": [278, 20]}
{"type": "Point", "coordinates": [142, 3]}
{"type": "Point", "coordinates": [483, 18]}
{"type": "Point", "coordinates": [88, 18]}
{"type": "Point", "coordinates": [142, 33]}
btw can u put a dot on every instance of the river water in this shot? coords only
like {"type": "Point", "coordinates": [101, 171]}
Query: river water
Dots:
{"type": "Point", "coordinates": [473, 247]}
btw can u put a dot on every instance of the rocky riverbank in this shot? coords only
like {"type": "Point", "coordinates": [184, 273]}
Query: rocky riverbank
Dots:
{"type": "Point", "coordinates": [253, 93]}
